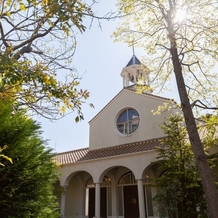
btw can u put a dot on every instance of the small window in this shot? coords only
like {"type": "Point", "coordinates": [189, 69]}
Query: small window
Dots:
{"type": "Point", "coordinates": [128, 121]}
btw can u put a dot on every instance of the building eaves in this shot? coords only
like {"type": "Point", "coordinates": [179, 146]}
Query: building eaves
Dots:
{"type": "Point", "coordinates": [85, 154]}
{"type": "Point", "coordinates": [132, 89]}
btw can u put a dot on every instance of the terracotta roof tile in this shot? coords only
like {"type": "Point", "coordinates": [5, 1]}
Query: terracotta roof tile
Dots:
{"type": "Point", "coordinates": [85, 154]}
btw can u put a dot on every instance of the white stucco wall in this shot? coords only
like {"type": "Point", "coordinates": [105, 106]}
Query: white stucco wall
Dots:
{"type": "Point", "coordinates": [74, 198]}
{"type": "Point", "coordinates": [103, 131]}
{"type": "Point", "coordinates": [97, 168]}
{"type": "Point", "coordinates": [74, 177]}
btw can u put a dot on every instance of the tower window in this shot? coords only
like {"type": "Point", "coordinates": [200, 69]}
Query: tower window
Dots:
{"type": "Point", "coordinates": [128, 121]}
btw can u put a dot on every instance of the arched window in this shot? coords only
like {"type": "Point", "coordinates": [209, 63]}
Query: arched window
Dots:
{"type": "Point", "coordinates": [106, 182]}
{"type": "Point", "coordinates": [90, 183]}
{"type": "Point", "coordinates": [127, 178]}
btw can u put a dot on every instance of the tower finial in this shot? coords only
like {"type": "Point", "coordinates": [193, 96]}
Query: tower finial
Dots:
{"type": "Point", "coordinates": [133, 49]}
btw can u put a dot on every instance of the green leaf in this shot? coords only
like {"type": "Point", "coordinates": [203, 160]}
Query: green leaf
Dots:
{"type": "Point", "coordinates": [77, 119]}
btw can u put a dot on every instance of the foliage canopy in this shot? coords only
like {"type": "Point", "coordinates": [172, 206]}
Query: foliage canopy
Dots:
{"type": "Point", "coordinates": [151, 25]}
{"type": "Point", "coordinates": [37, 42]}
{"type": "Point", "coordinates": [27, 183]}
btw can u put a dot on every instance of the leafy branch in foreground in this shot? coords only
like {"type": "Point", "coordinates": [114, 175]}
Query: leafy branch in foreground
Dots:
{"type": "Point", "coordinates": [37, 42]}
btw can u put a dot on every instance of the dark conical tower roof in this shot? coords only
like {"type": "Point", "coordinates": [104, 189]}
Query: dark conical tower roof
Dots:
{"type": "Point", "coordinates": [134, 73]}
{"type": "Point", "coordinates": [133, 60]}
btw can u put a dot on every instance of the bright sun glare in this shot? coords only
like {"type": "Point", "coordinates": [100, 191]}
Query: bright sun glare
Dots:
{"type": "Point", "coordinates": [180, 15]}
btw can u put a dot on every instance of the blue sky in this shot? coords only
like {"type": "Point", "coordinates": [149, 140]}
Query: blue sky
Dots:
{"type": "Point", "coordinates": [100, 61]}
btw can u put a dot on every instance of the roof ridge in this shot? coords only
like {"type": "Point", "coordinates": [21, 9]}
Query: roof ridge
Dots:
{"type": "Point", "coordinates": [145, 93]}
{"type": "Point", "coordinates": [128, 88]}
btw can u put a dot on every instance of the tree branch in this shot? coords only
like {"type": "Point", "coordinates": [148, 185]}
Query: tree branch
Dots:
{"type": "Point", "coordinates": [202, 105]}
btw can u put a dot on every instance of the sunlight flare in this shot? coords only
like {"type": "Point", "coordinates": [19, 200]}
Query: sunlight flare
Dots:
{"type": "Point", "coordinates": [180, 15]}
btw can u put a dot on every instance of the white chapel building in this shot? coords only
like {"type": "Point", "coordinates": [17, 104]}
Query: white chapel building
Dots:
{"type": "Point", "coordinates": [107, 179]}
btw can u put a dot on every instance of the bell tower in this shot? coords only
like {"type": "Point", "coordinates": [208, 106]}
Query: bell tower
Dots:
{"type": "Point", "coordinates": [133, 73]}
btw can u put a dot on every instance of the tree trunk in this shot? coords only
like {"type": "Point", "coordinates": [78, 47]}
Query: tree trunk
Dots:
{"type": "Point", "coordinates": [197, 147]}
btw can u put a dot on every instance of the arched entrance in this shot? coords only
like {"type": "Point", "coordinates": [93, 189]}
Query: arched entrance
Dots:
{"type": "Point", "coordinates": [128, 196]}
{"type": "Point", "coordinates": [105, 203]}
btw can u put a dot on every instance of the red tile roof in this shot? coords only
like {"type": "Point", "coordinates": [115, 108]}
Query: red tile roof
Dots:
{"type": "Point", "coordinates": [85, 154]}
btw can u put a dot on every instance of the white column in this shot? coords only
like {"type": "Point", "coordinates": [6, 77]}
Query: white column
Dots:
{"type": "Point", "coordinates": [141, 198]}
{"type": "Point", "coordinates": [134, 71]}
{"type": "Point", "coordinates": [63, 199]}
{"type": "Point", "coordinates": [124, 82]}
{"type": "Point", "coordinates": [97, 199]}
{"type": "Point", "coordinates": [126, 78]}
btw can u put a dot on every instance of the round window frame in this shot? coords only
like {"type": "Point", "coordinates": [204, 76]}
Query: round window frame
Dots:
{"type": "Point", "coordinates": [128, 120]}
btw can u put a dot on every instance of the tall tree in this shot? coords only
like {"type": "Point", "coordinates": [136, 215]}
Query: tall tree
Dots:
{"type": "Point", "coordinates": [180, 37]}
{"type": "Point", "coordinates": [37, 42]}
{"type": "Point", "coordinates": [26, 184]}
{"type": "Point", "coordinates": [180, 191]}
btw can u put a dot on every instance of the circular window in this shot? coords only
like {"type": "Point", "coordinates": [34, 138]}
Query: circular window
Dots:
{"type": "Point", "coordinates": [128, 121]}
